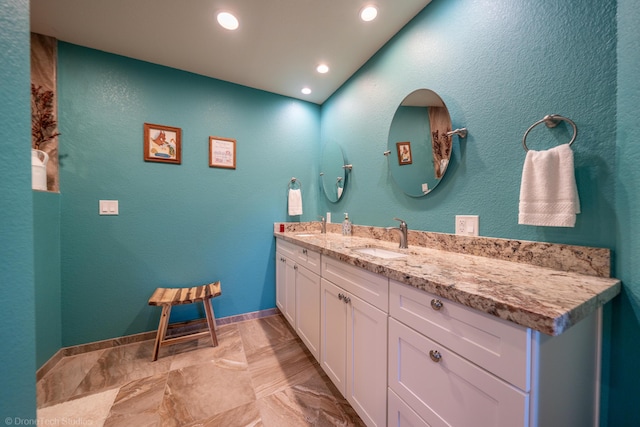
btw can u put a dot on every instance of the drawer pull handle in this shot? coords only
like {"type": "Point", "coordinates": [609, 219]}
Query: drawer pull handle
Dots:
{"type": "Point", "coordinates": [295, 267]}
{"type": "Point", "coordinates": [304, 251]}
{"type": "Point", "coordinates": [436, 304]}
{"type": "Point", "coordinates": [435, 356]}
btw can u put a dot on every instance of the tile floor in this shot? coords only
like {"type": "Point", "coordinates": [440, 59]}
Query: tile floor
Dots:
{"type": "Point", "coordinates": [260, 374]}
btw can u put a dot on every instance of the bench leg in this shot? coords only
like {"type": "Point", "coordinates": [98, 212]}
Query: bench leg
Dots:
{"type": "Point", "coordinates": [162, 330]}
{"type": "Point", "coordinates": [211, 320]}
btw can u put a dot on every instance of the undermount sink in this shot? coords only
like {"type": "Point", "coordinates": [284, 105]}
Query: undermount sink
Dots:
{"type": "Point", "coordinates": [380, 253]}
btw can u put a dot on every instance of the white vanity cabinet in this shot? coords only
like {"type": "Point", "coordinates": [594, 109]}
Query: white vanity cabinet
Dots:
{"type": "Point", "coordinates": [354, 336]}
{"type": "Point", "coordinates": [298, 291]}
{"type": "Point", "coordinates": [450, 365]}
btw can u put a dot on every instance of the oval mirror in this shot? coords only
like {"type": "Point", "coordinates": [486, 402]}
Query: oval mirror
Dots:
{"type": "Point", "coordinates": [418, 144]}
{"type": "Point", "coordinates": [333, 174]}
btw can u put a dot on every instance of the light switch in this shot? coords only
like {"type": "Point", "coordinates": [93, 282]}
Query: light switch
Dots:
{"type": "Point", "coordinates": [108, 207]}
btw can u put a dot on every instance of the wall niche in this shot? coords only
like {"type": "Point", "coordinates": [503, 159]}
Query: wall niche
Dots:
{"type": "Point", "coordinates": [43, 75]}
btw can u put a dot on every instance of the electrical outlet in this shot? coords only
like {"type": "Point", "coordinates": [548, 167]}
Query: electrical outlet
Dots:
{"type": "Point", "coordinates": [467, 225]}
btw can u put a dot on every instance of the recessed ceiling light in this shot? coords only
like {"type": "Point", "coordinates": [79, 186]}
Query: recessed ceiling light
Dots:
{"type": "Point", "coordinates": [306, 90]}
{"type": "Point", "coordinates": [227, 21]}
{"type": "Point", "coordinates": [368, 13]}
{"type": "Point", "coordinates": [322, 68]}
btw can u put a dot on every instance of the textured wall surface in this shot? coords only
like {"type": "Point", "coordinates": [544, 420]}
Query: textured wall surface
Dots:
{"type": "Point", "coordinates": [625, 340]}
{"type": "Point", "coordinates": [179, 225]}
{"type": "Point", "coordinates": [17, 308]}
{"type": "Point", "coordinates": [46, 247]}
{"type": "Point", "coordinates": [499, 66]}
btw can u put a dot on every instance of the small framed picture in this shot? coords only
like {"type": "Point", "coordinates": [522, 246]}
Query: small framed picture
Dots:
{"type": "Point", "coordinates": [162, 144]}
{"type": "Point", "coordinates": [404, 153]}
{"type": "Point", "coordinates": [222, 152]}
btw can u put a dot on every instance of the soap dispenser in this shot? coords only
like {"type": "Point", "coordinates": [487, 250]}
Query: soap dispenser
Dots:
{"type": "Point", "coordinates": [346, 225]}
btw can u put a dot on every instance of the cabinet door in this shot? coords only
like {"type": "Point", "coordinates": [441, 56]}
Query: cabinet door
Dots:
{"type": "Point", "coordinates": [367, 361]}
{"type": "Point", "coordinates": [449, 390]}
{"type": "Point", "coordinates": [308, 309]}
{"type": "Point", "coordinates": [333, 334]}
{"type": "Point", "coordinates": [290, 292]}
{"type": "Point", "coordinates": [281, 277]}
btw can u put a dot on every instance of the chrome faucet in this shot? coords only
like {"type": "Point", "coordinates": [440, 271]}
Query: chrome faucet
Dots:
{"type": "Point", "coordinates": [403, 229]}
{"type": "Point", "coordinates": [323, 222]}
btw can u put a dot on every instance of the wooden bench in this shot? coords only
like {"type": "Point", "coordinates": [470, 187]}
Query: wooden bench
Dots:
{"type": "Point", "coordinates": [168, 297]}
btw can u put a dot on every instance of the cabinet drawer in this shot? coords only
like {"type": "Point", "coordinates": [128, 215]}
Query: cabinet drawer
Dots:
{"type": "Point", "coordinates": [401, 415]}
{"type": "Point", "coordinates": [452, 391]}
{"type": "Point", "coordinates": [364, 284]}
{"type": "Point", "coordinates": [303, 256]}
{"type": "Point", "coordinates": [285, 248]}
{"type": "Point", "coordinates": [496, 345]}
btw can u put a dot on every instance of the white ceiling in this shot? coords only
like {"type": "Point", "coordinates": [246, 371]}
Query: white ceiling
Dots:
{"type": "Point", "coordinates": [276, 49]}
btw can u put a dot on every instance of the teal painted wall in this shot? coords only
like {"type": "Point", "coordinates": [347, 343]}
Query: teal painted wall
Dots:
{"type": "Point", "coordinates": [17, 307]}
{"type": "Point", "coordinates": [179, 225]}
{"type": "Point", "coordinates": [499, 66]}
{"type": "Point", "coordinates": [623, 387]}
{"type": "Point", "coordinates": [46, 247]}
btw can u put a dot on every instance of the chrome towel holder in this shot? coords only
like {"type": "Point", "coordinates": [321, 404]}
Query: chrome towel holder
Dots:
{"type": "Point", "coordinates": [551, 120]}
{"type": "Point", "coordinates": [292, 183]}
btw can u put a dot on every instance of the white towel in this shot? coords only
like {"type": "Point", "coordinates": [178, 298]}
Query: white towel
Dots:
{"type": "Point", "coordinates": [340, 192]}
{"type": "Point", "coordinates": [548, 192]}
{"type": "Point", "coordinates": [295, 202]}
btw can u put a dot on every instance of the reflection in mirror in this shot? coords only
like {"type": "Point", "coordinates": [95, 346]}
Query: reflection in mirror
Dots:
{"type": "Point", "coordinates": [333, 173]}
{"type": "Point", "coordinates": [418, 144]}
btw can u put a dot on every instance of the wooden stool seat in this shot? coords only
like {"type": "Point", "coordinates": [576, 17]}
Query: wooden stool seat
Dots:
{"type": "Point", "coordinates": [168, 297]}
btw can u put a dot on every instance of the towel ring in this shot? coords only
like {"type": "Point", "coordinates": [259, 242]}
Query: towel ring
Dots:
{"type": "Point", "coordinates": [293, 182]}
{"type": "Point", "coordinates": [551, 120]}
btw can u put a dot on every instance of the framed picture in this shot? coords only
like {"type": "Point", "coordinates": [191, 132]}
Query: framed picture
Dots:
{"type": "Point", "coordinates": [162, 144]}
{"type": "Point", "coordinates": [404, 153]}
{"type": "Point", "coordinates": [222, 152]}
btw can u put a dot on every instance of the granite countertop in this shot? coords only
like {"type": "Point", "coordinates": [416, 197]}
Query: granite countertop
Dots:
{"type": "Point", "coordinates": [548, 300]}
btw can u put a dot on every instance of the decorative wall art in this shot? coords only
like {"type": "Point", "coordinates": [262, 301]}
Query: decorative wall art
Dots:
{"type": "Point", "coordinates": [222, 152]}
{"type": "Point", "coordinates": [162, 144]}
{"type": "Point", "coordinates": [404, 153]}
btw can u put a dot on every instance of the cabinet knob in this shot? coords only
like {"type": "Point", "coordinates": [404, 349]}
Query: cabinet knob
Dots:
{"type": "Point", "coordinates": [340, 296]}
{"type": "Point", "coordinates": [435, 356]}
{"type": "Point", "coordinates": [304, 251]}
{"type": "Point", "coordinates": [347, 299]}
{"type": "Point", "coordinates": [295, 267]}
{"type": "Point", "coordinates": [436, 304]}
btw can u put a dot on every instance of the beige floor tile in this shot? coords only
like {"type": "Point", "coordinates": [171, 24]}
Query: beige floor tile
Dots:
{"type": "Point", "coordinates": [90, 410]}
{"type": "Point", "coordinates": [228, 352]}
{"type": "Point", "coordinates": [310, 403]}
{"type": "Point", "coordinates": [201, 391]}
{"type": "Point", "coordinates": [137, 403]}
{"type": "Point", "coordinates": [280, 366]}
{"type": "Point", "coordinates": [243, 416]}
{"type": "Point", "coordinates": [60, 383]}
{"type": "Point", "coordinates": [264, 332]}
{"type": "Point", "coordinates": [260, 374]}
{"type": "Point", "coordinates": [121, 365]}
